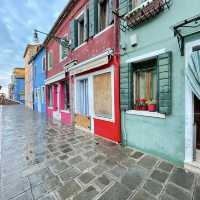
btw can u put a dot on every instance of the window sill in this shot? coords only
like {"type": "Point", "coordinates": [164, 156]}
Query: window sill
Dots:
{"type": "Point", "coordinates": [104, 118]}
{"type": "Point", "coordinates": [50, 107]}
{"type": "Point", "coordinates": [80, 46]}
{"type": "Point", "coordinates": [105, 29]}
{"type": "Point", "coordinates": [146, 114]}
{"type": "Point", "coordinates": [138, 7]}
{"type": "Point", "coordinates": [65, 111]}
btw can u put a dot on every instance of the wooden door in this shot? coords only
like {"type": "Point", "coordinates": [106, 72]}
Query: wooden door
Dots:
{"type": "Point", "coordinates": [197, 120]}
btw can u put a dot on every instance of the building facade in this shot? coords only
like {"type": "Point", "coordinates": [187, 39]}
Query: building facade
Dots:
{"type": "Point", "coordinates": [39, 75]}
{"type": "Point", "coordinates": [30, 51]}
{"type": "Point", "coordinates": [153, 86]}
{"type": "Point", "coordinates": [17, 85]}
{"type": "Point", "coordinates": [83, 80]}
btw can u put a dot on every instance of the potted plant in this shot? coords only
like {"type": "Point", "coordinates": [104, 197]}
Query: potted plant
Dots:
{"type": "Point", "coordinates": [151, 105]}
{"type": "Point", "coordinates": [140, 104]}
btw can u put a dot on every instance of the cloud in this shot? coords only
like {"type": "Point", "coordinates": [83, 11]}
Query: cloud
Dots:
{"type": "Point", "coordinates": [17, 22]}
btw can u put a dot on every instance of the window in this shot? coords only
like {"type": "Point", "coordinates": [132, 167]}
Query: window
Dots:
{"type": "Point", "coordinates": [66, 95]}
{"type": "Point", "coordinates": [135, 3]}
{"type": "Point", "coordinates": [82, 101]}
{"type": "Point", "coordinates": [103, 95]}
{"type": "Point", "coordinates": [102, 14]}
{"type": "Point", "coordinates": [43, 63]}
{"type": "Point", "coordinates": [63, 51]}
{"type": "Point", "coordinates": [50, 61]}
{"type": "Point", "coordinates": [81, 29]}
{"type": "Point", "coordinates": [50, 96]}
{"type": "Point", "coordinates": [144, 84]}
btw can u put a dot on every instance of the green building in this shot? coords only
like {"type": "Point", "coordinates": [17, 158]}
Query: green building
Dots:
{"type": "Point", "coordinates": [158, 40]}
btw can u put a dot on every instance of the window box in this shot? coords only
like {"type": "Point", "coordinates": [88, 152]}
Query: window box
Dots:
{"type": "Point", "coordinates": [144, 11]}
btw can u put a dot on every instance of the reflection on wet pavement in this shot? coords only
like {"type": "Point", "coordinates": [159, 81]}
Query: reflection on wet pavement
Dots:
{"type": "Point", "coordinates": [45, 160]}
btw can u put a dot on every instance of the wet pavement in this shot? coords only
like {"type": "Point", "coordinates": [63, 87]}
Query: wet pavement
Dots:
{"type": "Point", "coordinates": [45, 160]}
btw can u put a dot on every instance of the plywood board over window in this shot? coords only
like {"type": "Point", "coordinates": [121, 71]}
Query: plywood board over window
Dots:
{"type": "Point", "coordinates": [103, 95]}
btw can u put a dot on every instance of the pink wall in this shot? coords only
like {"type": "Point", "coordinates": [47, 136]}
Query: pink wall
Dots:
{"type": "Point", "coordinates": [66, 118]}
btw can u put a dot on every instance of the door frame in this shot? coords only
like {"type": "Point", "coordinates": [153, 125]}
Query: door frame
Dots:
{"type": "Point", "coordinates": [190, 149]}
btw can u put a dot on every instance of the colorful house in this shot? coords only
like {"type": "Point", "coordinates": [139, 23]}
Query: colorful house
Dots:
{"type": "Point", "coordinates": [30, 51]}
{"type": "Point", "coordinates": [39, 74]}
{"type": "Point", "coordinates": [153, 77]}
{"type": "Point", "coordinates": [83, 80]}
{"type": "Point", "coordinates": [17, 85]}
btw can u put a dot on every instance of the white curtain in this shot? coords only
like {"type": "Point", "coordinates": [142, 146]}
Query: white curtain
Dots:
{"type": "Point", "coordinates": [193, 73]}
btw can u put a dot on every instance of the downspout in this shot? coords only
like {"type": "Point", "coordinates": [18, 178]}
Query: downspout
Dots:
{"type": "Point", "coordinates": [122, 114]}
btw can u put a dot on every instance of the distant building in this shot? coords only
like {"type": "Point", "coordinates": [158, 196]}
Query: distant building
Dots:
{"type": "Point", "coordinates": [39, 74]}
{"type": "Point", "coordinates": [30, 51]}
{"type": "Point", "coordinates": [16, 88]}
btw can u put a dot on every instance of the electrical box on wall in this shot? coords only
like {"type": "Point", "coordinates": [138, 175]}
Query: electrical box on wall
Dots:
{"type": "Point", "coordinates": [133, 40]}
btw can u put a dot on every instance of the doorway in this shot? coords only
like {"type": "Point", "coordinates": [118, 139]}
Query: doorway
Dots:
{"type": "Point", "coordinates": [197, 127]}
{"type": "Point", "coordinates": [39, 99]}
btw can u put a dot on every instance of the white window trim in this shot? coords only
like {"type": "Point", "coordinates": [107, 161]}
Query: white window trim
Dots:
{"type": "Point", "coordinates": [146, 56]}
{"type": "Point", "coordinates": [91, 95]}
{"type": "Point", "coordinates": [104, 30]}
{"type": "Point", "coordinates": [146, 114]}
{"type": "Point", "coordinates": [48, 67]}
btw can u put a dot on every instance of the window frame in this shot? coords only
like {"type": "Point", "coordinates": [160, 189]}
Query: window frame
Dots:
{"type": "Point", "coordinates": [50, 55]}
{"type": "Point", "coordinates": [61, 50]}
{"type": "Point", "coordinates": [81, 19]}
{"type": "Point", "coordinates": [141, 66]}
{"type": "Point", "coordinates": [106, 17]}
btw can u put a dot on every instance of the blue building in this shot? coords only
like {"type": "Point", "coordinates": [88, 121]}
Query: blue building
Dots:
{"type": "Point", "coordinates": [38, 63]}
{"type": "Point", "coordinates": [18, 85]}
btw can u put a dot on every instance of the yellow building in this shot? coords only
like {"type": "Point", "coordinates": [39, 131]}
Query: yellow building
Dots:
{"type": "Point", "coordinates": [30, 51]}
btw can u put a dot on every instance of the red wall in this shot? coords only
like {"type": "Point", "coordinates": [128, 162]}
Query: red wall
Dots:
{"type": "Point", "coordinates": [93, 47]}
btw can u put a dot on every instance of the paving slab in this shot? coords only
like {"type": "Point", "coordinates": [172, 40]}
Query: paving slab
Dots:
{"type": "Point", "coordinates": [182, 178]}
{"type": "Point", "coordinates": [70, 189]}
{"type": "Point", "coordinates": [116, 192]}
{"type": "Point", "coordinates": [89, 193]}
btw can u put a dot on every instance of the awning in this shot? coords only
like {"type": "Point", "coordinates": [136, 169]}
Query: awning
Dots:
{"type": "Point", "coordinates": [55, 78]}
{"type": "Point", "coordinates": [92, 63]}
{"type": "Point", "coordinates": [193, 73]}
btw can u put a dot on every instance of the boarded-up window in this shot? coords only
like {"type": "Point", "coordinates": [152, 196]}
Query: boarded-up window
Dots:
{"type": "Point", "coordinates": [103, 95]}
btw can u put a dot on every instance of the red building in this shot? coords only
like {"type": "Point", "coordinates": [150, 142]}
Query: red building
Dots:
{"type": "Point", "coordinates": [83, 81]}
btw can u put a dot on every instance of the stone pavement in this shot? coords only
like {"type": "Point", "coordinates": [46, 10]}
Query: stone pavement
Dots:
{"type": "Point", "coordinates": [45, 160]}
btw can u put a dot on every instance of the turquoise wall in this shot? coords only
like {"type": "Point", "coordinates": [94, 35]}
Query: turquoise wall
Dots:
{"type": "Point", "coordinates": [162, 137]}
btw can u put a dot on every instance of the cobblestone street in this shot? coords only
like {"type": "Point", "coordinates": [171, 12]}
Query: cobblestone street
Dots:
{"type": "Point", "coordinates": [44, 160]}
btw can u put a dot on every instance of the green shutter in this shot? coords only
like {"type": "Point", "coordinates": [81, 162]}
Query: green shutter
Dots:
{"type": "Point", "coordinates": [110, 12]}
{"type": "Point", "coordinates": [165, 83]}
{"type": "Point", "coordinates": [74, 33]}
{"type": "Point", "coordinates": [123, 7]}
{"type": "Point", "coordinates": [86, 24]}
{"type": "Point", "coordinates": [93, 17]}
{"type": "Point", "coordinates": [126, 87]}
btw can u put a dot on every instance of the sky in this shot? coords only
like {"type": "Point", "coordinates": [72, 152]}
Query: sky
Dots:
{"type": "Point", "coordinates": [18, 20]}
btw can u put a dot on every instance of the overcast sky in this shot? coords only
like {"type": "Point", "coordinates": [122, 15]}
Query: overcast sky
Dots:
{"type": "Point", "coordinates": [18, 20]}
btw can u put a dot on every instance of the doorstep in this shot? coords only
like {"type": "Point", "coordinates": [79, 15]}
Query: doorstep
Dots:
{"type": "Point", "coordinates": [193, 166]}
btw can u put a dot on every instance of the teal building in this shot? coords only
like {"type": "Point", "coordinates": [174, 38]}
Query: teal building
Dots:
{"type": "Point", "coordinates": [158, 39]}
